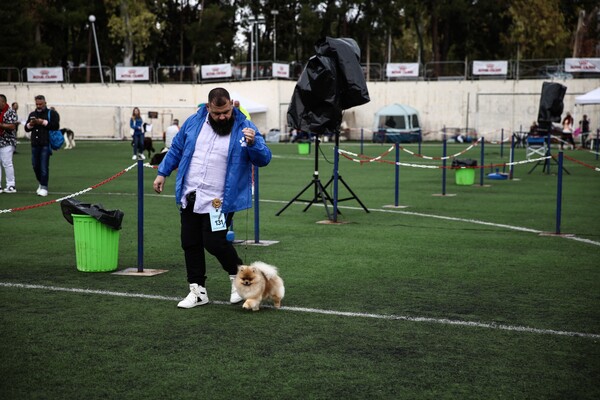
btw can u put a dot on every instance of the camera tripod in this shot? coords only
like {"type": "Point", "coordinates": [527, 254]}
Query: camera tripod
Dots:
{"type": "Point", "coordinates": [320, 192]}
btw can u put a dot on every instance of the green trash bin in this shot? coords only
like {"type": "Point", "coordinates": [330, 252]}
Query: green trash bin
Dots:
{"type": "Point", "coordinates": [96, 245]}
{"type": "Point", "coordinates": [304, 148]}
{"type": "Point", "coordinates": [464, 175]}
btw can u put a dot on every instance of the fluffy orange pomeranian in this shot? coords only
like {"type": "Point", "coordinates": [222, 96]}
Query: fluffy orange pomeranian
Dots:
{"type": "Point", "coordinates": [257, 282]}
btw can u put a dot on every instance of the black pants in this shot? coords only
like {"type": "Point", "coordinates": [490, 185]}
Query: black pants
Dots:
{"type": "Point", "coordinates": [567, 137]}
{"type": "Point", "coordinates": [197, 235]}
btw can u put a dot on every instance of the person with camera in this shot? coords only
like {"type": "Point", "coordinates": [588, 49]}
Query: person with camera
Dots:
{"type": "Point", "coordinates": [40, 122]}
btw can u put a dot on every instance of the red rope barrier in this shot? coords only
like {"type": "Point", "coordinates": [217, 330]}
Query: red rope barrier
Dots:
{"type": "Point", "coordinates": [69, 196]}
{"type": "Point", "coordinates": [579, 162]}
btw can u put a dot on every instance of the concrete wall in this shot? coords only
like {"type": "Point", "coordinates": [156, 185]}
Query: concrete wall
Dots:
{"type": "Point", "coordinates": [103, 111]}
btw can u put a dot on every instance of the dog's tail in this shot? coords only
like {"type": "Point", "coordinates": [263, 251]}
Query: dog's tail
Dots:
{"type": "Point", "coordinates": [269, 271]}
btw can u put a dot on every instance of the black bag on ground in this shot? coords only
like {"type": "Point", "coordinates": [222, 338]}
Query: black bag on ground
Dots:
{"type": "Point", "coordinates": [111, 218]}
{"type": "Point", "coordinates": [466, 162]}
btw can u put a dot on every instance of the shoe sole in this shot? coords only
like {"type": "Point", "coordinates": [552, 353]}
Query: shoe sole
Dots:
{"type": "Point", "coordinates": [195, 305]}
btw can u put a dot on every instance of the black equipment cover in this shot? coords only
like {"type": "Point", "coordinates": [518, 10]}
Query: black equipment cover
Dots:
{"type": "Point", "coordinates": [332, 81]}
{"type": "Point", "coordinates": [111, 218]}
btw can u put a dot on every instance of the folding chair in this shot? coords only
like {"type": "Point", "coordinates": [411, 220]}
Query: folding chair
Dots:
{"type": "Point", "coordinates": [536, 147]}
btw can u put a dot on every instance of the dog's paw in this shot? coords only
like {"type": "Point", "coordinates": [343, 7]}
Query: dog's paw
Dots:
{"type": "Point", "coordinates": [251, 305]}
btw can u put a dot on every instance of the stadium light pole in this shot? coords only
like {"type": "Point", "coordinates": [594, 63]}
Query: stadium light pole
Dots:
{"type": "Point", "coordinates": [251, 49]}
{"type": "Point", "coordinates": [254, 47]}
{"type": "Point", "coordinates": [92, 19]}
{"type": "Point", "coordinates": [274, 13]}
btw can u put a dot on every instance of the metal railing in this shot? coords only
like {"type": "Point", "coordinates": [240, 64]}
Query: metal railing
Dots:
{"type": "Point", "coordinates": [89, 74]}
{"type": "Point", "coordinates": [244, 71]}
{"type": "Point", "coordinates": [10, 75]}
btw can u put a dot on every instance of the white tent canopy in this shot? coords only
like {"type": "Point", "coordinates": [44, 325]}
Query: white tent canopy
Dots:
{"type": "Point", "coordinates": [592, 97]}
{"type": "Point", "coordinates": [251, 106]}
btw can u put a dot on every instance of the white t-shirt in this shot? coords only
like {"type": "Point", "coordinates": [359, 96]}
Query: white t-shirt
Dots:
{"type": "Point", "coordinates": [170, 134]}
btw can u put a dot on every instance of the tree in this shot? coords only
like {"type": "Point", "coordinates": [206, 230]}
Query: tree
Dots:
{"type": "Point", "coordinates": [192, 32]}
{"type": "Point", "coordinates": [537, 30]}
{"type": "Point", "coordinates": [130, 24]}
{"type": "Point", "coordinates": [23, 41]}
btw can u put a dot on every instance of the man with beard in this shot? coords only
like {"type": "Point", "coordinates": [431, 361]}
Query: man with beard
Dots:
{"type": "Point", "coordinates": [214, 152]}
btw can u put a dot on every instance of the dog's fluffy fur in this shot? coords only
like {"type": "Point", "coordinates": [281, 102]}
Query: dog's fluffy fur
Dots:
{"type": "Point", "coordinates": [69, 136]}
{"type": "Point", "coordinates": [257, 282]}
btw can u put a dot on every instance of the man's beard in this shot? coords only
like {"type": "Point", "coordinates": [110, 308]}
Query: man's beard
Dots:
{"type": "Point", "coordinates": [221, 128]}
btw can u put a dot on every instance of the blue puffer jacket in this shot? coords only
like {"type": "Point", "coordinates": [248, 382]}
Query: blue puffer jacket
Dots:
{"type": "Point", "coordinates": [238, 179]}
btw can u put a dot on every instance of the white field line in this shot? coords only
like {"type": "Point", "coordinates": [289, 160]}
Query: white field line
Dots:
{"type": "Point", "coordinates": [467, 220]}
{"type": "Point", "coordinates": [442, 321]}
{"type": "Point", "coordinates": [442, 217]}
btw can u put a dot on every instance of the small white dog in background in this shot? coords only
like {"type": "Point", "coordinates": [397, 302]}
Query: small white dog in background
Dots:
{"type": "Point", "coordinates": [257, 282]}
{"type": "Point", "coordinates": [69, 136]}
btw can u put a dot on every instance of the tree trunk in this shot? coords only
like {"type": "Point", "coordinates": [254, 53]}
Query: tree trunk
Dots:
{"type": "Point", "coordinates": [127, 42]}
{"type": "Point", "coordinates": [579, 34]}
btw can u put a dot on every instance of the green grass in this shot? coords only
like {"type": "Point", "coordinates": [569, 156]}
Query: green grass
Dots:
{"type": "Point", "coordinates": [388, 262]}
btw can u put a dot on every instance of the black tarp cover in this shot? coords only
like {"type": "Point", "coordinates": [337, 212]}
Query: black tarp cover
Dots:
{"type": "Point", "coordinates": [331, 82]}
{"type": "Point", "coordinates": [111, 218]}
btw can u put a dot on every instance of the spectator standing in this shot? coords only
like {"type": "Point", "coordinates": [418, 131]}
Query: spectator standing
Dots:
{"type": "Point", "coordinates": [236, 104]}
{"type": "Point", "coordinates": [171, 132]}
{"type": "Point", "coordinates": [567, 132]}
{"type": "Point", "coordinates": [168, 136]}
{"type": "Point", "coordinates": [15, 107]}
{"type": "Point", "coordinates": [136, 123]}
{"type": "Point", "coordinates": [584, 124]}
{"type": "Point", "coordinates": [8, 141]}
{"type": "Point", "coordinates": [40, 122]}
{"type": "Point", "coordinates": [213, 153]}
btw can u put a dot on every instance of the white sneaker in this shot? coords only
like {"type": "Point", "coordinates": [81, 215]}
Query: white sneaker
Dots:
{"type": "Point", "coordinates": [1, 190]}
{"type": "Point", "coordinates": [235, 297]}
{"type": "Point", "coordinates": [42, 192]}
{"type": "Point", "coordinates": [37, 191]}
{"type": "Point", "coordinates": [10, 189]}
{"type": "Point", "coordinates": [197, 297]}
{"type": "Point", "coordinates": [141, 156]}
{"type": "Point", "coordinates": [134, 157]}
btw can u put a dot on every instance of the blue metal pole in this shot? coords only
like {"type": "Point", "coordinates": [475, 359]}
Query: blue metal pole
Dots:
{"type": "Point", "coordinates": [256, 210]}
{"type": "Point", "coordinates": [420, 140]}
{"type": "Point", "coordinates": [397, 184]}
{"type": "Point", "coordinates": [140, 168]}
{"type": "Point", "coordinates": [512, 157]}
{"type": "Point", "coordinates": [597, 142]}
{"type": "Point", "coordinates": [444, 164]}
{"type": "Point", "coordinates": [482, 162]}
{"type": "Point", "coordinates": [362, 141]}
{"type": "Point", "coordinates": [559, 192]}
{"type": "Point", "coordinates": [502, 143]}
